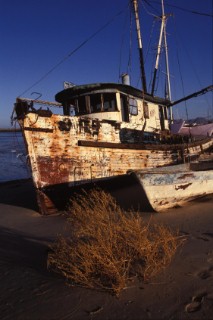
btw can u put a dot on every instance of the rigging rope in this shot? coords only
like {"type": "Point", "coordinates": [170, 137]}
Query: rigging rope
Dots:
{"type": "Point", "coordinates": [129, 68]}
{"type": "Point", "coordinates": [191, 62]}
{"type": "Point", "coordinates": [150, 39]}
{"type": "Point", "coordinates": [184, 9]}
{"type": "Point", "coordinates": [148, 50]}
{"type": "Point", "coordinates": [148, 12]}
{"type": "Point", "coordinates": [122, 43]}
{"type": "Point", "coordinates": [72, 52]}
{"type": "Point", "coordinates": [181, 77]}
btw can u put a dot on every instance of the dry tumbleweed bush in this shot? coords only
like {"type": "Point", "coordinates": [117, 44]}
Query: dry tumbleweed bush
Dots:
{"type": "Point", "coordinates": [107, 247]}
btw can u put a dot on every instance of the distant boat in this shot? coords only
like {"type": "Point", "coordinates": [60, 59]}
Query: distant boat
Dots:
{"type": "Point", "coordinates": [106, 129]}
{"type": "Point", "coordinates": [174, 186]}
{"type": "Point", "coordinates": [195, 130]}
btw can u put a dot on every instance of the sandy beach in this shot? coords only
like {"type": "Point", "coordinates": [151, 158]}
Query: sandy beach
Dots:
{"type": "Point", "coordinates": [184, 290]}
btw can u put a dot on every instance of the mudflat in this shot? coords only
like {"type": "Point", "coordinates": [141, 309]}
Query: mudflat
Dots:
{"type": "Point", "coordinates": [184, 290]}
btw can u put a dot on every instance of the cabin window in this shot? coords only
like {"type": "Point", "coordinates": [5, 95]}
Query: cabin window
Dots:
{"type": "Point", "coordinates": [95, 103]}
{"type": "Point", "coordinates": [133, 107]}
{"type": "Point", "coordinates": [102, 102]}
{"type": "Point", "coordinates": [146, 110]}
{"type": "Point", "coordinates": [73, 107]}
{"type": "Point", "coordinates": [109, 102]}
{"type": "Point", "coordinates": [91, 104]}
{"type": "Point", "coordinates": [70, 108]}
{"type": "Point", "coordinates": [82, 109]}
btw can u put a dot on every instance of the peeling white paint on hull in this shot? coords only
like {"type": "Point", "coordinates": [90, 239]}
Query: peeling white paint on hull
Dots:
{"type": "Point", "coordinates": [174, 186]}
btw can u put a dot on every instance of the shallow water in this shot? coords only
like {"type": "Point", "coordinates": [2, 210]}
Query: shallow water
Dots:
{"type": "Point", "coordinates": [13, 157]}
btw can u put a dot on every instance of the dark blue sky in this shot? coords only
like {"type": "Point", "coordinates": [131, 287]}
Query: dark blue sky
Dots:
{"type": "Point", "coordinates": [37, 34]}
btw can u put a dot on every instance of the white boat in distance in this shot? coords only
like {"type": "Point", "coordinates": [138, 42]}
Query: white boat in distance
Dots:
{"type": "Point", "coordinates": [195, 130]}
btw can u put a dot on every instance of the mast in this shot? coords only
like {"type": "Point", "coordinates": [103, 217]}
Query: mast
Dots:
{"type": "Point", "coordinates": [143, 75]}
{"type": "Point", "coordinates": [169, 96]}
{"type": "Point", "coordinates": [166, 50]}
{"type": "Point", "coordinates": [162, 36]}
{"type": "Point", "coordinates": [158, 55]}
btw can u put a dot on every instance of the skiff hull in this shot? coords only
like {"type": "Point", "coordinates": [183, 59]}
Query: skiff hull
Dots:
{"type": "Point", "coordinates": [174, 186]}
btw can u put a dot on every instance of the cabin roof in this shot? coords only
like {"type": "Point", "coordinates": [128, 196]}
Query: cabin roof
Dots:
{"type": "Point", "coordinates": [76, 91]}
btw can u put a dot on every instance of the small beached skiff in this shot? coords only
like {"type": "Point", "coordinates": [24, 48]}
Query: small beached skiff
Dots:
{"type": "Point", "coordinates": [174, 186]}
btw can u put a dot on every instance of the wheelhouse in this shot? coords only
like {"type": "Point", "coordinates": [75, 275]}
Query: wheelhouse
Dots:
{"type": "Point", "coordinates": [118, 102]}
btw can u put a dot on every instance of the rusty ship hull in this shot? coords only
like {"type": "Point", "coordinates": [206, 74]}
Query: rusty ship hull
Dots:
{"type": "Point", "coordinates": [79, 156]}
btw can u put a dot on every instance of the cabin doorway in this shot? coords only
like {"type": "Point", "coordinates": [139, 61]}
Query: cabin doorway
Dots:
{"type": "Point", "coordinates": [124, 109]}
{"type": "Point", "coordinates": [161, 116]}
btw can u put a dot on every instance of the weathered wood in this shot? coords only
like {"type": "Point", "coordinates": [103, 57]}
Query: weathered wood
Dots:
{"type": "Point", "coordinates": [45, 204]}
{"type": "Point", "coordinates": [141, 146]}
{"type": "Point", "coordinates": [202, 165]}
{"type": "Point", "coordinates": [75, 150]}
{"type": "Point", "coordinates": [38, 129]}
{"type": "Point", "coordinates": [174, 186]}
{"type": "Point", "coordinates": [59, 156]}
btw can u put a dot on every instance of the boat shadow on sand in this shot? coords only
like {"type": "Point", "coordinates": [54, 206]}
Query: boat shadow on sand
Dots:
{"type": "Point", "coordinates": [20, 193]}
{"type": "Point", "coordinates": [127, 192]}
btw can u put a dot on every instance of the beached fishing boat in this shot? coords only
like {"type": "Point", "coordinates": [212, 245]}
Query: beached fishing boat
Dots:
{"type": "Point", "coordinates": [106, 129]}
{"type": "Point", "coordinates": [174, 186]}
